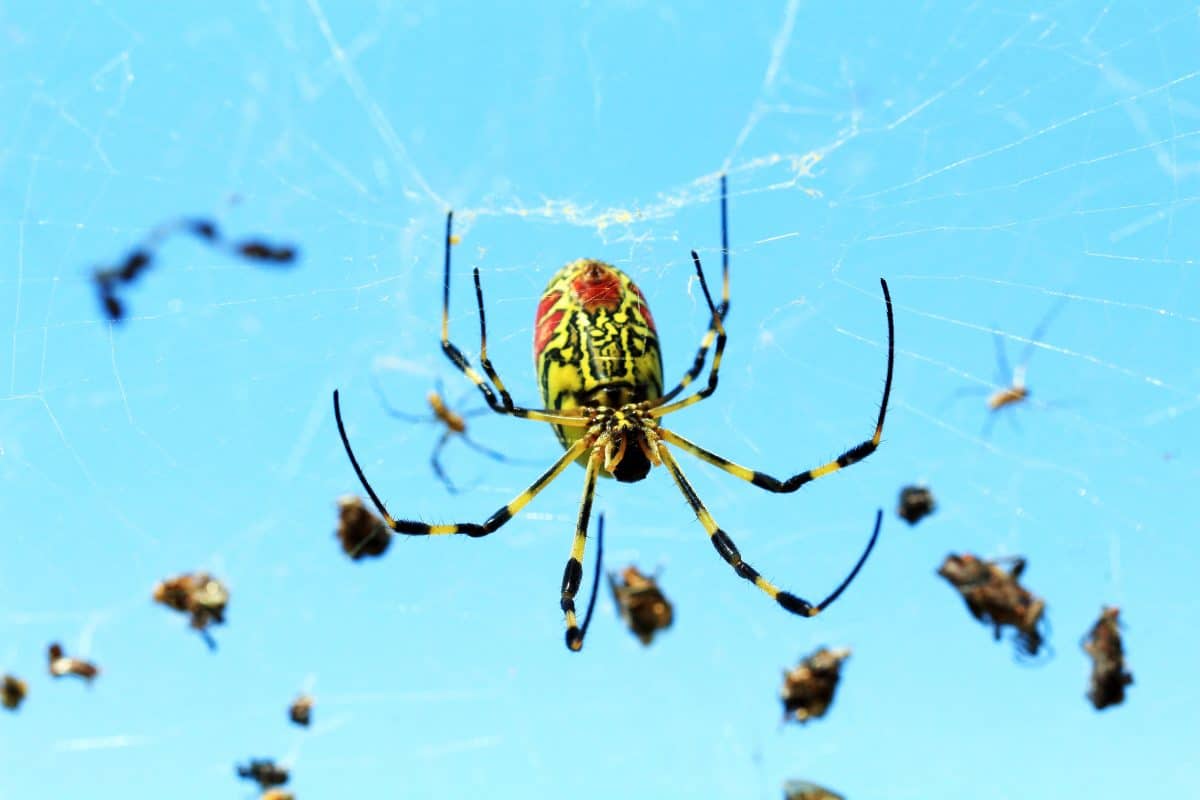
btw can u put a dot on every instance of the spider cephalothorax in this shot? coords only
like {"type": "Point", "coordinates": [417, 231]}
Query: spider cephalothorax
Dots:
{"type": "Point", "coordinates": [599, 369]}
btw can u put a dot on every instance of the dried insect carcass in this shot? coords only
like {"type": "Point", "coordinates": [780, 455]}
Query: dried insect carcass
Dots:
{"type": "Point", "coordinates": [808, 689]}
{"type": "Point", "coordinates": [916, 503]}
{"type": "Point", "coordinates": [643, 606]}
{"type": "Point", "coordinates": [300, 711]}
{"type": "Point", "coordinates": [61, 664]}
{"type": "Point", "coordinates": [804, 790]}
{"type": "Point", "coordinates": [1109, 678]}
{"type": "Point", "coordinates": [12, 692]}
{"type": "Point", "coordinates": [361, 532]}
{"type": "Point", "coordinates": [265, 772]}
{"type": "Point", "coordinates": [994, 596]}
{"type": "Point", "coordinates": [199, 595]}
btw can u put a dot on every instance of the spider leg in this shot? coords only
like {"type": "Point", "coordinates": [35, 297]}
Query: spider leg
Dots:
{"type": "Point", "coordinates": [495, 455]}
{"type": "Point", "coordinates": [460, 361]}
{"type": "Point", "coordinates": [494, 522]}
{"type": "Point", "coordinates": [728, 550]}
{"type": "Point", "coordinates": [435, 461]}
{"type": "Point", "coordinates": [573, 573]}
{"type": "Point", "coordinates": [718, 326]}
{"type": "Point", "coordinates": [587, 617]}
{"type": "Point", "coordinates": [721, 311]}
{"type": "Point", "coordinates": [851, 456]}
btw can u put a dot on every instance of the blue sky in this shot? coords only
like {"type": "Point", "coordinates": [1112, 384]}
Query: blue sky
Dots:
{"type": "Point", "coordinates": [991, 161]}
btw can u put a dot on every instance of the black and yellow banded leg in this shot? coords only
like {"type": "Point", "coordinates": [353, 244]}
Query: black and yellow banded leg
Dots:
{"type": "Point", "coordinates": [851, 456]}
{"type": "Point", "coordinates": [502, 515]}
{"type": "Point", "coordinates": [728, 550]}
{"type": "Point", "coordinates": [719, 328]}
{"type": "Point", "coordinates": [721, 312]}
{"type": "Point", "coordinates": [573, 573]}
{"type": "Point", "coordinates": [460, 361]}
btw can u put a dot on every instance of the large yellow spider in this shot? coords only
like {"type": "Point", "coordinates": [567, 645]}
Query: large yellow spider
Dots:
{"type": "Point", "coordinates": [600, 374]}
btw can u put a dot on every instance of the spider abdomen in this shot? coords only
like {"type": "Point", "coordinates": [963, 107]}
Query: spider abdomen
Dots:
{"type": "Point", "coordinates": [595, 344]}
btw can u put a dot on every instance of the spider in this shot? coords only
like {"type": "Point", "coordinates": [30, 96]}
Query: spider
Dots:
{"type": "Point", "coordinates": [600, 373]}
{"type": "Point", "coordinates": [455, 424]}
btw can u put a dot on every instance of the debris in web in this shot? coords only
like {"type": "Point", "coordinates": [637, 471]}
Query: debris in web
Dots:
{"type": "Point", "coordinates": [808, 689]}
{"type": "Point", "coordinates": [361, 533]}
{"type": "Point", "coordinates": [643, 606]}
{"type": "Point", "coordinates": [916, 503]}
{"type": "Point", "coordinates": [199, 595]}
{"type": "Point", "coordinates": [109, 279]}
{"type": "Point", "coordinates": [995, 597]}
{"type": "Point", "coordinates": [1109, 676]}
{"type": "Point", "coordinates": [61, 664]}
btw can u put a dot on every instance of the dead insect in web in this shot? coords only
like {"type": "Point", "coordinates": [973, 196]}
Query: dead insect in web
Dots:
{"type": "Point", "coordinates": [916, 503]}
{"type": "Point", "coordinates": [808, 689]}
{"type": "Point", "coordinates": [995, 597]}
{"type": "Point", "coordinates": [277, 794]}
{"type": "Point", "coordinates": [12, 692]}
{"type": "Point", "coordinates": [64, 665]}
{"type": "Point", "coordinates": [141, 257]}
{"type": "Point", "coordinates": [1109, 678]}
{"type": "Point", "coordinates": [804, 790]}
{"type": "Point", "coordinates": [643, 607]}
{"type": "Point", "coordinates": [200, 596]}
{"type": "Point", "coordinates": [361, 533]}
{"type": "Point", "coordinates": [300, 711]}
{"type": "Point", "coordinates": [454, 424]}
{"type": "Point", "coordinates": [263, 771]}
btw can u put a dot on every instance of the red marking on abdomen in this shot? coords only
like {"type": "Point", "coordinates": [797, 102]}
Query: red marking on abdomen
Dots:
{"type": "Point", "coordinates": [545, 323]}
{"type": "Point", "coordinates": [597, 287]}
{"type": "Point", "coordinates": [644, 307]}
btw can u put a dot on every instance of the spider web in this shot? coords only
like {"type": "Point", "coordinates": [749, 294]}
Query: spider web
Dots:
{"type": "Point", "coordinates": [1002, 168]}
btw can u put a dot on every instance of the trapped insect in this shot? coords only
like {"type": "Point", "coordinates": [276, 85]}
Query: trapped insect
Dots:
{"type": "Point", "coordinates": [300, 711]}
{"type": "Point", "coordinates": [361, 533]}
{"type": "Point", "coordinates": [806, 790]}
{"type": "Point", "coordinates": [12, 692]}
{"type": "Point", "coordinates": [643, 606]}
{"type": "Point", "coordinates": [916, 503]}
{"type": "Point", "coordinates": [808, 689]}
{"type": "Point", "coordinates": [265, 772]}
{"type": "Point", "coordinates": [599, 370]}
{"type": "Point", "coordinates": [994, 596]}
{"type": "Point", "coordinates": [61, 664]}
{"type": "Point", "coordinates": [141, 258]}
{"type": "Point", "coordinates": [199, 595]}
{"type": "Point", "coordinates": [1106, 686]}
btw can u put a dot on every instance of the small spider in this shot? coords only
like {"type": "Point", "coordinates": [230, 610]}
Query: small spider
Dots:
{"type": "Point", "coordinates": [808, 689]}
{"type": "Point", "coordinates": [277, 794]}
{"type": "Point", "coordinates": [263, 771]}
{"type": "Point", "coordinates": [804, 790]}
{"type": "Point", "coordinates": [599, 370]}
{"type": "Point", "coordinates": [643, 606]}
{"type": "Point", "coordinates": [455, 424]}
{"type": "Point", "coordinates": [361, 533]}
{"type": "Point", "coordinates": [994, 596]}
{"type": "Point", "coordinates": [1109, 677]}
{"type": "Point", "coordinates": [12, 692]}
{"type": "Point", "coordinates": [300, 711]}
{"type": "Point", "coordinates": [199, 595]}
{"type": "Point", "coordinates": [916, 503]}
{"type": "Point", "coordinates": [64, 665]}
{"type": "Point", "coordinates": [140, 259]}
{"type": "Point", "coordinates": [1012, 389]}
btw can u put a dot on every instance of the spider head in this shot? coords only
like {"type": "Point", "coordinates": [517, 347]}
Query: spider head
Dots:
{"type": "Point", "coordinates": [627, 441]}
